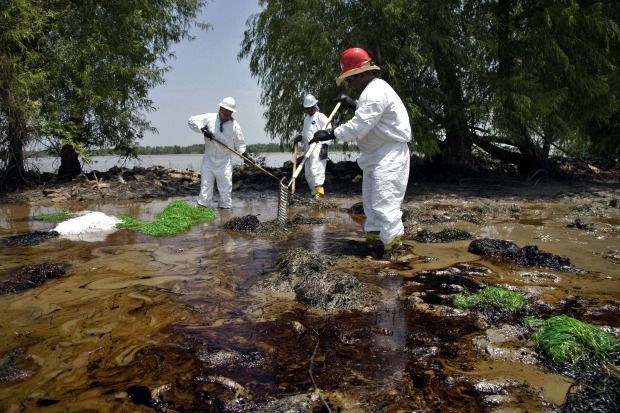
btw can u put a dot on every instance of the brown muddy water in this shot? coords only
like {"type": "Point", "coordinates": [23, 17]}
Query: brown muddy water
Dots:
{"type": "Point", "coordinates": [180, 324]}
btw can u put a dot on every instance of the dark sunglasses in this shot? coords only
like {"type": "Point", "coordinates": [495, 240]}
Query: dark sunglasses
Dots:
{"type": "Point", "coordinates": [352, 77]}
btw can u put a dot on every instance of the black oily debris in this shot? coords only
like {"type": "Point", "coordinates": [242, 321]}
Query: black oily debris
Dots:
{"type": "Point", "coordinates": [304, 220]}
{"type": "Point", "coordinates": [251, 224]}
{"type": "Point", "coordinates": [31, 238]}
{"type": "Point", "coordinates": [247, 223]}
{"type": "Point", "coordinates": [578, 224]}
{"type": "Point", "coordinates": [528, 256]}
{"type": "Point", "coordinates": [311, 202]}
{"type": "Point", "coordinates": [310, 276]}
{"type": "Point", "coordinates": [9, 371]}
{"type": "Point", "coordinates": [30, 276]}
{"type": "Point", "coordinates": [445, 235]}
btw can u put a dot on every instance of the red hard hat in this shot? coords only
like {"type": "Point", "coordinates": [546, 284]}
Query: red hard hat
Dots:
{"type": "Point", "coordinates": [353, 61]}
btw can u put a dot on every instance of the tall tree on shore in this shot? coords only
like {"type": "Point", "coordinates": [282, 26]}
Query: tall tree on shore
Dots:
{"type": "Point", "coordinates": [551, 74]}
{"type": "Point", "coordinates": [425, 50]}
{"type": "Point", "coordinates": [21, 80]}
{"type": "Point", "coordinates": [99, 61]}
{"type": "Point", "coordinates": [514, 78]}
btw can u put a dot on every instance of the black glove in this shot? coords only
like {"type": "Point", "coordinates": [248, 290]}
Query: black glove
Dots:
{"type": "Point", "coordinates": [323, 135]}
{"type": "Point", "coordinates": [296, 139]}
{"type": "Point", "coordinates": [346, 102]}
{"type": "Point", "coordinates": [323, 152]}
{"type": "Point", "coordinates": [206, 132]}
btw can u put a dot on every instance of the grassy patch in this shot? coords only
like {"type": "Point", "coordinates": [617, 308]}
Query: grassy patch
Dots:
{"type": "Point", "coordinates": [54, 216]}
{"type": "Point", "coordinates": [176, 218]}
{"type": "Point", "coordinates": [533, 322]}
{"type": "Point", "coordinates": [568, 341]}
{"type": "Point", "coordinates": [491, 298]}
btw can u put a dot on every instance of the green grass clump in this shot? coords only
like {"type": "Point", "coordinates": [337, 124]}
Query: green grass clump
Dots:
{"type": "Point", "coordinates": [533, 322]}
{"type": "Point", "coordinates": [176, 218]}
{"type": "Point", "coordinates": [568, 341]}
{"type": "Point", "coordinates": [491, 298]}
{"type": "Point", "coordinates": [54, 216]}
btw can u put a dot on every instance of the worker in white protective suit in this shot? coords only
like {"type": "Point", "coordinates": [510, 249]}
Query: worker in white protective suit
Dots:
{"type": "Point", "coordinates": [217, 166]}
{"type": "Point", "coordinates": [381, 129]}
{"type": "Point", "coordinates": [314, 166]}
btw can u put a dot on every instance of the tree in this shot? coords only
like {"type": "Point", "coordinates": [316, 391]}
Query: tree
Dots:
{"type": "Point", "coordinates": [551, 75]}
{"type": "Point", "coordinates": [418, 45]}
{"type": "Point", "coordinates": [21, 79]}
{"type": "Point", "coordinates": [515, 78]}
{"type": "Point", "coordinates": [99, 60]}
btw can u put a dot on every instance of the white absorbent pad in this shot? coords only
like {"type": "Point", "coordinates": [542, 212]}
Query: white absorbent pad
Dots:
{"type": "Point", "coordinates": [91, 223]}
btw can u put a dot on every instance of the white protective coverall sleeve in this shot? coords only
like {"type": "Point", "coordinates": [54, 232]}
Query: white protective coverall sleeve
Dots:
{"type": "Point", "coordinates": [217, 164]}
{"type": "Point", "coordinates": [314, 168]}
{"type": "Point", "coordinates": [381, 129]}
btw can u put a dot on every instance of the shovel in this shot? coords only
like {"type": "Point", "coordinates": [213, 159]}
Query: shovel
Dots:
{"type": "Point", "coordinates": [312, 148]}
{"type": "Point", "coordinates": [283, 192]}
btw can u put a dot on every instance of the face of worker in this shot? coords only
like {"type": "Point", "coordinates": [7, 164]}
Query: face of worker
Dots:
{"type": "Point", "coordinates": [310, 111]}
{"type": "Point", "coordinates": [358, 82]}
{"type": "Point", "coordinates": [225, 114]}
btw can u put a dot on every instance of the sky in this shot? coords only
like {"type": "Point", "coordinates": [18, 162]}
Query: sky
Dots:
{"type": "Point", "coordinates": [204, 72]}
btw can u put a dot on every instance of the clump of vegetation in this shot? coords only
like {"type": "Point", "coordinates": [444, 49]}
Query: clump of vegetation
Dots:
{"type": "Point", "coordinates": [54, 216]}
{"type": "Point", "coordinates": [491, 299]}
{"type": "Point", "coordinates": [533, 322]}
{"type": "Point", "coordinates": [176, 218]}
{"type": "Point", "coordinates": [569, 342]}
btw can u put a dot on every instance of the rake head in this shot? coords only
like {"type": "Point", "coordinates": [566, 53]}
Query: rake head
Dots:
{"type": "Point", "coordinates": [283, 199]}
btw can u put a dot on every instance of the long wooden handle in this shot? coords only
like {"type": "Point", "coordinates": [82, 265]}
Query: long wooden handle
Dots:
{"type": "Point", "coordinates": [313, 146]}
{"type": "Point", "coordinates": [245, 158]}
{"type": "Point", "coordinates": [294, 165]}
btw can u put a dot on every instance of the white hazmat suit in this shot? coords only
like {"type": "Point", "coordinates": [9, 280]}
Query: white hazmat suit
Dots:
{"type": "Point", "coordinates": [217, 166]}
{"type": "Point", "coordinates": [381, 129]}
{"type": "Point", "coordinates": [314, 167]}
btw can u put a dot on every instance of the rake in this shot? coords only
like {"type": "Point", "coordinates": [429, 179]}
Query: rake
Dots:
{"type": "Point", "coordinates": [283, 191]}
{"type": "Point", "coordinates": [312, 147]}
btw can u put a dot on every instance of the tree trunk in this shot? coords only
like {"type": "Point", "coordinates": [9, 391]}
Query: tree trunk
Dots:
{"type": "Point", "coordinates": [456, 149]}
{"type": "Point", "coordinates": [69, 163]}
{"type": "Point", "coordinates": [530, 158]}
{"type": "Point", "coordinates": [534, 158]}
{"type": "Point", "coordinates": [15, 161]}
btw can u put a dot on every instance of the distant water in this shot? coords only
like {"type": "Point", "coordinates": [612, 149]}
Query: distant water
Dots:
{"type": "Point", "coordinates": [183, 161]}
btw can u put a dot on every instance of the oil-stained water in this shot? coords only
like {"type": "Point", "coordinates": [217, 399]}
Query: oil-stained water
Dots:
{"type": "Point", "coordinates": [176, 324]}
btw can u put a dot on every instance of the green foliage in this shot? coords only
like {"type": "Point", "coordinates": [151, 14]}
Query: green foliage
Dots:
{"type": "Point", "coordinates": [176, 218]}
{"type": "Point", "coordinates": [514, 78]}
{"type": "Point", "coordinates": [54, 216]}
{"type": "Point", "coordinates": [568, 341]}
{"type": "Point", "coordinates": [532, 322]}
{"type": "Point", "coordinates": [491, 298]}
{"type": "Point", "coordinates": [555, 73]}
{"type": "Point", "coordinates": [22, 79]}
{"type": "Point", "coordinates": [79, 72]}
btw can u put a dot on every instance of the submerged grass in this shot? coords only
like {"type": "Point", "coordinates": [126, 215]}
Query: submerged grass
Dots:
{"type": "Point", "coordinates": [568, 341]}
{"type": "Point", "coordinates": [54, 216]}
{"type": "Point", "coordinates": [176, 218]}
{"type": "Point", "coordinates": [491, 298]}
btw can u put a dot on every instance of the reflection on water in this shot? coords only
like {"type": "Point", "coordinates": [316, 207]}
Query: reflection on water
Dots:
{"type": "Point", "coordinates": [181, 318]}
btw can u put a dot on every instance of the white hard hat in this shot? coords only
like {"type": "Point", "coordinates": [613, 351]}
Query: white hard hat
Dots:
{"type": "Point", "coordinates": [310, 101]}
{"type": "Point", "coordinates": [228, 103]}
